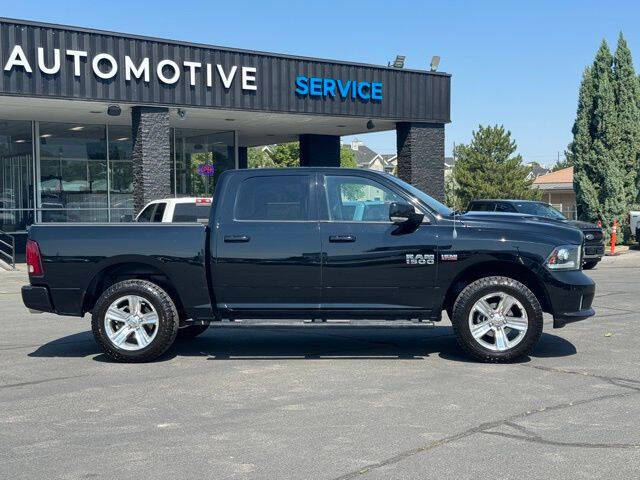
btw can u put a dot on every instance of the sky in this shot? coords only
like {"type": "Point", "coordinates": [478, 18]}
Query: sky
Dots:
{"type": "Point", "coordinates": [513, 63]}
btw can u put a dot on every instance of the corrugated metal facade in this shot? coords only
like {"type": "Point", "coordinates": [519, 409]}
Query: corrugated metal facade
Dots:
{"type": "Point", "coordinates": [408, 95]}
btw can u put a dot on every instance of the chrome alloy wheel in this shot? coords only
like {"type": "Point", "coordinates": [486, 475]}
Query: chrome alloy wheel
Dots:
{"type": "Point", "coordinates": [131, 323]}
{"type": "Point", "coordinates": [498, 321]}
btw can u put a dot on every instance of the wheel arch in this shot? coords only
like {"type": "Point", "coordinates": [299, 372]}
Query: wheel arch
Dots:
{"type": "Point", "coordinates": [127, 270]}
{"type": "Point", "coordinates": [513, 270]}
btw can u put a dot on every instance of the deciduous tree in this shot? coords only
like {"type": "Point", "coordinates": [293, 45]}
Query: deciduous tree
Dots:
{"type": "Point", "coordinates": [488, 168]}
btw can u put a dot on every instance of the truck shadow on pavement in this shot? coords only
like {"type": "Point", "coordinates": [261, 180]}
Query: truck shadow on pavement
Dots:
{"type": "Point", "coordinates": [307, 343]}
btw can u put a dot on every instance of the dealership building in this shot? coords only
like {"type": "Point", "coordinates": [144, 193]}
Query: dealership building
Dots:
{"type": "Point", "coordinates": [95, 124]}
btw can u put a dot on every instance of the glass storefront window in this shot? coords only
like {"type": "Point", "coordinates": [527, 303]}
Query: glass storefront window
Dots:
{"type": "Point", "coordinates": [16, 175]}
{"type": "Point", "coordinates": [200, 157]}
{"type": "Point", "coordinates": [84, 173]}
{"type": "Point", "coordinates": [73, 172]}
{"type": "Point", "coordinates": [120, 172]}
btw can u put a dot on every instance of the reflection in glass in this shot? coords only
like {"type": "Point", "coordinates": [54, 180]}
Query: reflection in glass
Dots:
{"type": "Point", "coordinates": [197, 148]}
{"type": "Point", "coordinates": [16, 175]}
{"type": "Point", "coordinates": [120, 170]}
{"type": "Point", "coordinates": [73, 168]}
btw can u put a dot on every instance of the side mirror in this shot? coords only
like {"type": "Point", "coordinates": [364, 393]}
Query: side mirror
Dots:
{"type": "Point", "coordinates": [402, 213]}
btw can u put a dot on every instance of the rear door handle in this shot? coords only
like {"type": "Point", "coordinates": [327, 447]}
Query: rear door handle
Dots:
{"type": "Point", "coordinates": [236, 238]}
{"type": "Point", "coordinates": [342, 238]}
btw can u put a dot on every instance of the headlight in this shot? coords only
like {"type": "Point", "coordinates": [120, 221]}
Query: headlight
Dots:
{"type": "Point", "coordinates": [566, 257]}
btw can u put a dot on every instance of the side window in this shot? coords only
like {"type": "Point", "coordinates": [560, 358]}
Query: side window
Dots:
{"type": "Point", "coordinates": [278, 197]}
{"type": "Point", "coordinates": [504, 207]}
{"type": "Point", "coordinates": [358, 199]}
{"type": "Point", "coordinates": [191, 212]}
{"type": "Point", "coordinates": [146, 214]}
{"type": "Point", "coordinates": [157, 216]}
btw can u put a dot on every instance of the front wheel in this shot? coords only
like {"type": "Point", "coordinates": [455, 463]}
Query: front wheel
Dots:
{"type": "Point", "coordinates": [589, 265]}
{"type": "Point", "coordinates": [497, 319]}
{"type": "Point", "coordinates": [134, 321]}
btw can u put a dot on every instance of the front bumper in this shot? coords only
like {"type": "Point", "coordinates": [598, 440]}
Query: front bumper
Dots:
{"type": "Point", "coordinates": [36, 299]}
{"type": "Point", "coordinates": [593, 252]}
{"type": "Point", "coordinates": [570, 294]}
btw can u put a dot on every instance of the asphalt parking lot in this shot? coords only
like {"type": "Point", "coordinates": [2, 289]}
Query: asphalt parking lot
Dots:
{"type": "Point", "coordinates": [325, 402]}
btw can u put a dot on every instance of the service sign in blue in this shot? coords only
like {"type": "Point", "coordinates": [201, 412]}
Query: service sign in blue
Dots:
{"type": "Point", "coordinates": [330, 87]}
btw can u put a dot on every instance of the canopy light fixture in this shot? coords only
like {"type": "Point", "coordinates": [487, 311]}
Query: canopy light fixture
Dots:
{"type": "Point", "coordinates": [76, 129]}
{"type": "Point", "coordinates": [114, 110]}
{"type": "Point", "coordinates": [398, 62]}
{"type": "Point", "coordinates": [435, 62]}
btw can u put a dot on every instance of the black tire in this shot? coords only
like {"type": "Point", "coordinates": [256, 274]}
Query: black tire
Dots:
{"type": "Point", "coordinates": [478, 289]}
{"type": "Point", "coordinates": [191, 331]}
{"type": "Point", "coordinates": [589, 265]}
{"type": "Point", "coordinates": [167, 320]}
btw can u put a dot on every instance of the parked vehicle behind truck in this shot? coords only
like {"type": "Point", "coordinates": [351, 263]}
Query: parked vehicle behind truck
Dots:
{"type": "Point", "coordinates": [313, 243]}
{"type": "Point", "coordinates": [594, 237]}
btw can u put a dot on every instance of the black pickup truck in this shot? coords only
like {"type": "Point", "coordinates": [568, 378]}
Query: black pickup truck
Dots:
{"type": "Point", "coordinates": [313, 243]}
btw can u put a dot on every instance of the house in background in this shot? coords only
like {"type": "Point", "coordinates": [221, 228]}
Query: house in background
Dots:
{"type": "Point", "coordinates": [557, 189]}
{"type": "Point", "coordinates": [367, 158]}
{"type": "Point", "coordinates": [449, 163]}
{"type": "Point", "coordinates": [537, 170]}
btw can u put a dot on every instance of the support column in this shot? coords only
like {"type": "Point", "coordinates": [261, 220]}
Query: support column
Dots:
{"type": "Point", "coordinates": [421, 156]}
{"type": "Point", "coordinates": [243, 157]}
{"type": "Point", "coordinates": [151, 155]}
{"type": "Point", "coordinates": [319, 150]}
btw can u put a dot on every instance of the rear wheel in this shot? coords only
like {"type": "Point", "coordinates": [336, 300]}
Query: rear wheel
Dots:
{"type": "Point", "coordinates": [497, 319]}
{"type": "Point", "coordinates": [134, 321]}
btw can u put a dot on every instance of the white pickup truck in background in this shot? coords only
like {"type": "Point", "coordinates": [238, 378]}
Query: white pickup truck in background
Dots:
{"type": "Point", "coordinates": [173, 210]}
{"type": "Point", "coordinates": [634, 224]}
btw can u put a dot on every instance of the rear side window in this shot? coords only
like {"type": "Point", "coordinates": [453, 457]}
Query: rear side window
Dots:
{"type": "Point", "coordinates": [505, 207]}
{"type": "Point", "coordinates": [481, 207]}
{"type": "Point", "coordinates": [157, 216]}
{"type": "Point", "coordinates": [191, 212]}
{"type": "Point", "coordinates": [146, 214]}
{"type": "Point", "coordinates": [281, 197]}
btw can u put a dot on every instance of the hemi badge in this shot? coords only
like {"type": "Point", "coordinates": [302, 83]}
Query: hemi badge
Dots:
{"type": "Point", "coordinates": [449, 257]}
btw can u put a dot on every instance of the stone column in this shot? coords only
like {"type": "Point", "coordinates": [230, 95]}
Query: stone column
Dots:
{"type": "Point", "coordinates": [151, 155]}
{"type": "Point", "coordinates": [319, 150]}
{"type": "Point", "coordinates": [421, 156]}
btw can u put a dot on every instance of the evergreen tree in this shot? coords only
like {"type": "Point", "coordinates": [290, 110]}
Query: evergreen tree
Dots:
{"type": "Point", "coordinates": [488, 168]}
{"type": "Point", "coordinates": [627, 97]}
{"type": "Point", "coordinates": [606, 153]}
{"type": "Point", "coordinates": [602, 151]}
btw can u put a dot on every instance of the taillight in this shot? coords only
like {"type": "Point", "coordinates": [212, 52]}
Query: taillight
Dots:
{"type": "Point", "coordinates": [34, 261]}
{"type": "Point", "coordinates": [203, 201]}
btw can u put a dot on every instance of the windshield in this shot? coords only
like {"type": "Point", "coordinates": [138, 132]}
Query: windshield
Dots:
{"type": "Point", "coordinates": [432, 203]}
{"type": "Point", "coordinates": [539, 209]}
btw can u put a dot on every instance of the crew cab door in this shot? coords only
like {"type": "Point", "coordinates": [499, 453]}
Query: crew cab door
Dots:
{"type": "Point", "coordinates": [267, 246]}
{"type": "Point", "coordinates": [370, 264]}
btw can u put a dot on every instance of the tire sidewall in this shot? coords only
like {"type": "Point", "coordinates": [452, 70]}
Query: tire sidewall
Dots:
{"type": "Point", "coordinates": [165, 309]}
{"type": "Point", "coordinates": [475, 292]}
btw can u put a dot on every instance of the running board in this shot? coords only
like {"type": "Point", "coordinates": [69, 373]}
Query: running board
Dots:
{"type": "Point", "coordinates": [322, 323]}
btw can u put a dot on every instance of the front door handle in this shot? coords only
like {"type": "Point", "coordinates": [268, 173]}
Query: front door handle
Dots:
{"type": "Point", "coordinates": [342, 238]}
{"type": "Point", "coordinates": [236, 238]}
